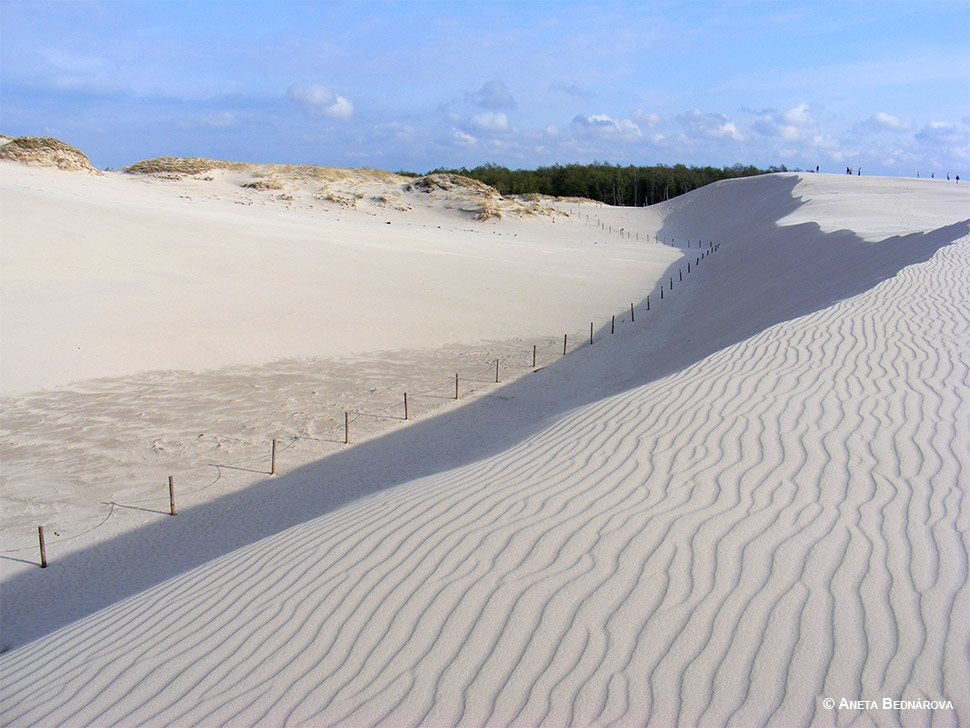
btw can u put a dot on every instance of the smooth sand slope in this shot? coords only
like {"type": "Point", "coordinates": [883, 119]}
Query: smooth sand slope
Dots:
{"type": "Point", "coordinates": [112, 275]}
{"type": "Point", "coordinates": [172, 325]}
{"type": "Point", "coordinates": [748, 501]}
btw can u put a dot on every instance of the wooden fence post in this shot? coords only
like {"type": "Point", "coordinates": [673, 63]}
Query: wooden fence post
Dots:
{"type": "Point", "coordinates": [456, 386]}
{"type": "Point", "coordinates": [496, 371]}
{"type": "Point", "coordinates": [43, 549]}
{"type": "Point", "coordinates": [346, 428]}
{"type": "Point", "coordinates": [590, 333]}
{"type": "Point", "coordinates": [171, 495]}
{"type": "Point", "coordinates": [564, 339]}
{"type": "Point", "coordinates": [533, 356]}
{"type": "Point", "coordinates": [405, 405]}
{"type": "Point", "coordinates": [272, 459]}
{"type": "Point", "coordinates": [632, 316]}
{"type": "Point", "coordinates": [613, 325]}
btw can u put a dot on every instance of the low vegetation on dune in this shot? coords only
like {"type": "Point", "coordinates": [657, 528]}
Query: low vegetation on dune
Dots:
{"type": "Point", "coordinates": [276, 172]}
{"type": "Point", "coordinates": [47, 152]}
{"type": "Point", "coordinates": [310, 172]}
{"type": "Point", "coordinates": [182, 165]}
{"type": "Point", "coordinates": [484, 192]}
{"type": "Point", "coordinates": [349, 187]}
{"type": "Point", "coordinates": [452, 182]}
{"type": "Point", "coordinates": [471, 196]}
{"type": "Point", "coordinates": [264, 184]}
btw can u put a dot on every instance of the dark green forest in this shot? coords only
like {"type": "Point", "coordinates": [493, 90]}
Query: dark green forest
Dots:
{"type": "Point", "coordinates": [611, 184]}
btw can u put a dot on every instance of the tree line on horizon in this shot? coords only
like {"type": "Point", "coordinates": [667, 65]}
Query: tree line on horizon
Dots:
{"type": "Point", "coordinates": [630, 186]}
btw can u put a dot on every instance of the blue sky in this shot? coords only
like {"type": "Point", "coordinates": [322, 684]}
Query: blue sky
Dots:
{"type": "Point", "coordinates": [416, 85]}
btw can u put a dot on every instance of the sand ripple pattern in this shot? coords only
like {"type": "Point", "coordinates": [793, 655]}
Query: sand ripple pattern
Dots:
{"type": "Point", "coordinates": [779, 523]}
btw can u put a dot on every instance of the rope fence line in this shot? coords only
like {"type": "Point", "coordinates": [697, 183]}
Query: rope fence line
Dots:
{"type": "Point", "coordinates": [623, 233]}
{"type": "Point", "coordinates": [550, 349]}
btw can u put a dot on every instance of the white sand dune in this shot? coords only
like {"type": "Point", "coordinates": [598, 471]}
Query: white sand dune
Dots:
{"type": "Point", "coordinates": [156, 327]}
{"type": "Point", "coordinates": [108, 276]}
{"type": "Point", "coordinates": [749, 500]}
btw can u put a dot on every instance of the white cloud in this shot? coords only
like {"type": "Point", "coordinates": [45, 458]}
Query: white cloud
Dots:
{"type": "Point", "coordinates": [709, 125]}
{"type": "Point", "coordinates": [791, 125]}
{"type": "Point", "coordinates": [893, 123]}
{"type": "Point", "coordinates": [493, 95]}
{"type": "Point", "coordinates": [490, 122]}
{"type": "Point", "coordinates": [798, 116]}
{"type": "Point", "coordinates": [320, 101]}
{"type": "Point", "coordinates": [941, 132]}
{"type": "Point", "coordinates": [647, 119]}
{"type": "Point", "coordinates": [829, 147]}
{"type": "Point", "coordinates": [952, 139]}
{"type": "Point", "coordinates": [463, 139]}
{"type": "Point", "coordinates": [605, 125]}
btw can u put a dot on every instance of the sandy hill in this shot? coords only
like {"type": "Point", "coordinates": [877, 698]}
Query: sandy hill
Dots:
{"type": "Point", "coordinates": [727, 504]}
{"type": "Point", "coordinates": [284, 172]}
{"type": "Point", "coordinates": [371, 189]}
{"type": "Point", "coordinates": [294, 184]}
{"type": "Point", "coordinates": [46, 152]}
